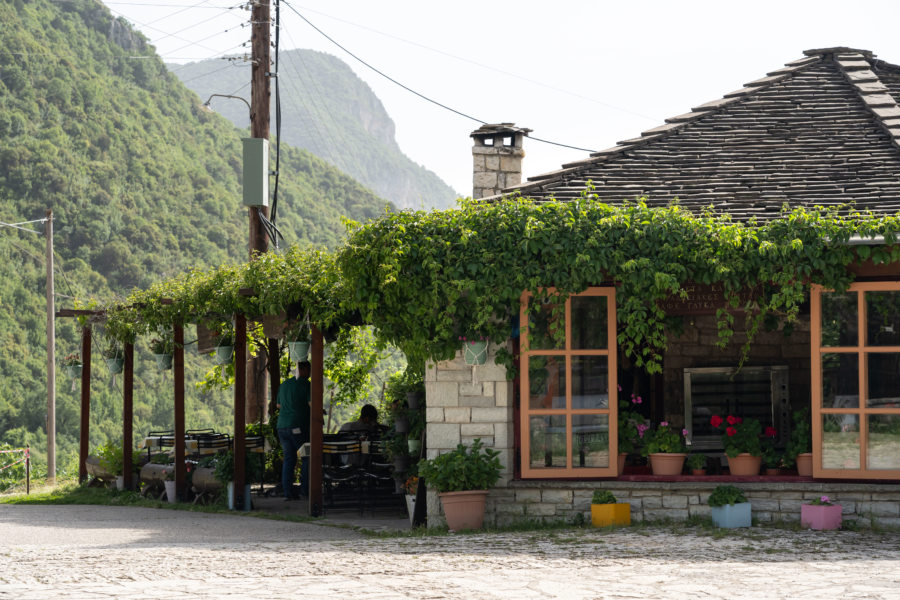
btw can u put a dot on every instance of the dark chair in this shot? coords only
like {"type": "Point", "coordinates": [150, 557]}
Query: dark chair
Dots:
{"type": "Point", "coordinates": [341, 477]}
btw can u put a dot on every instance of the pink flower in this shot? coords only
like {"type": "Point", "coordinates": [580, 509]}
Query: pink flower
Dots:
{"type": "Point", "coordinates": [619, 386]}
{"type": "Point", "coordinates": [637, 400]}
{"type": "Point", "coordinates": [663, 423]}
{"type": "Point", "coordinates": [684, 432]}
{"type": "Point", "coordinates": [824, 499]}
{"type": "Point", "coordinates": [641, 427]}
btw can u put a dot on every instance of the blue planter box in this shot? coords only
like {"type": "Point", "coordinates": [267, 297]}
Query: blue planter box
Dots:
{"type": "Point", "coordinates": [731, 515]}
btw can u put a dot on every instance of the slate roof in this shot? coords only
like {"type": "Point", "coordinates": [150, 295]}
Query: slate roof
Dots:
{"type": "Point", "coordinates": [823, 130]}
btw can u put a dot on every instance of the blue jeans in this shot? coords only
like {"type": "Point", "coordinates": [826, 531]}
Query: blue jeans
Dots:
{"type": "Point", "coordinates": [290, 444]}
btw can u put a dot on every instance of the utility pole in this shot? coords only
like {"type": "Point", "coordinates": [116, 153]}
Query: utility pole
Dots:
{"type": "Point", "coordinates": [260, 41]}
{"type": "Point", "coordinates": [51, 356]}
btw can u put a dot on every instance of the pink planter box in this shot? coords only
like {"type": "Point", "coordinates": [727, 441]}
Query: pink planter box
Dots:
{"type": "Point", "coordinates": [820, 516]}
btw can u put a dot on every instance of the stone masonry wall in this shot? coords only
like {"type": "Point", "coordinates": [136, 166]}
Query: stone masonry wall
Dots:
{"type": "Point", "coordinates": [465, 403]}
{"type": "Point", "coordinates": [552, 501]}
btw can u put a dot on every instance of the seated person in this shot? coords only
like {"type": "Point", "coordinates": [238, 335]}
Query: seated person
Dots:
{"type": "Point", "coordinates": [366, 424]}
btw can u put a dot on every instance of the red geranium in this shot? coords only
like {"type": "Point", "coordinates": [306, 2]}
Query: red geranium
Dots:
{"type": "Point", "coordinates": [730, 431]}
{"type": "Point", "coordinates": [770, 432]}
{"type": "Point", "coordinates": [731, 419]}
{"type": "Point", "coordinates": [715, 421]}
{"type": "Point", "coordinates": [739, 436]}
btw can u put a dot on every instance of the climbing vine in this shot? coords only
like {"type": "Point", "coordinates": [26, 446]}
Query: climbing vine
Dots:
{"type": "Point", "coordinates": [426, 279]}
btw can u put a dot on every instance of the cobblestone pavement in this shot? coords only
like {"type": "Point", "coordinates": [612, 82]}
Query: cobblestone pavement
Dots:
{"type": "Point", "coordinates": [67, 552]}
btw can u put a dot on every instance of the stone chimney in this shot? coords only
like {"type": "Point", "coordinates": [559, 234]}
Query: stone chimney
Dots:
{"type": "Point", "coordinates": [497, 158]}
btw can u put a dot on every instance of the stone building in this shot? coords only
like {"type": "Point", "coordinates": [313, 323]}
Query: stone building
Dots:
{"type": "Point", "coordinates": [823, 130]}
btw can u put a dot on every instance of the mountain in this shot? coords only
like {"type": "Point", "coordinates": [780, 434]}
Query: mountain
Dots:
{"type": "Point", "coordinates": [328, 110]}
{"type": "Point", "coordinates": [143, 183]}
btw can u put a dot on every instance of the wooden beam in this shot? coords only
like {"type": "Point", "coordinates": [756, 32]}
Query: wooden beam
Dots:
{"type": "Point", "coordinates": [180, 474]}
{"type": "Point", "coordinates": [70, 312]}
{"type": "Point", "coordinates": [317, 422]}
{"type": "Point", "coordinates": [85, 402]}
{"type": "Point", "coordinates": [273, 352]}
{"type": "Point", "coordinates": [128, 416]}
{"type": "Point", "coordinates": [240, 399]}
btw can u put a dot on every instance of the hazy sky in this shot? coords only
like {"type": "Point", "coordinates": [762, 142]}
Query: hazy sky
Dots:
{"type": "Point", "coordinates": [581, 73]}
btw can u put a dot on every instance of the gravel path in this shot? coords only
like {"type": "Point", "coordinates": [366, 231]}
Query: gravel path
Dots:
{"type": "Point", "coordinates": [64, 552]}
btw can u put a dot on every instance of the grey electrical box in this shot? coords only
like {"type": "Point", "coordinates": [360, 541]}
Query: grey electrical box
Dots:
{"type": "Point", "coordinates": [256, 172]}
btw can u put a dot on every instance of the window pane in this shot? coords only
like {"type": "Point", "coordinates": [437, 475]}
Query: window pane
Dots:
{"type": "Point", "coordinates": [590, 441]}
{"type": "Point", "coordinates": [590, 382]}
{"type": "Point", "coordinates": [883, 318]}
{"type": "Point", "coordinates": [840, 380]}
{"type": "Point", "coordinates": [546, 382]}
{"type": "Point", "coordinates": [839, 319]}
{"type": "Point", "coordinates": [548, 441]}
{"type": "Point", "coordinates": [883, 451]}
{"type": "Point", "coordinates": [884, 380]}
{"type": "Point", "coordinates": [546, 320]}
{"type": "Point", "coordinates": [840, 441]}
{"type": "Point", "coordinates": [589, 323]}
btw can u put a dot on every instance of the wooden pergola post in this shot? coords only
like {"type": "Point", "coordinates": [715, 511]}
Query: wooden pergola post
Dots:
{"type": "Point", "coordinates": [128, 416]}
{"type": "Point", "coordinates": [317, 422]}
{"type": "Point", "coordinates": [180, 474]}
{"type": "Point", "coordinates": [240, 401]}
{"type": "Point", "coordinates": [85, 402]}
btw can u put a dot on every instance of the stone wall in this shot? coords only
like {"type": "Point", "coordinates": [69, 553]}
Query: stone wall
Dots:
{"type": "Point", "coordinates": [551, 501]}
{"type": "Point", "coordinates": [465, 403]}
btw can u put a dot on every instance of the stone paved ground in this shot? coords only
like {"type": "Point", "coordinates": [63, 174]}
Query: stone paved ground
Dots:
{"type": "Point", "coordinates": [64, 552]}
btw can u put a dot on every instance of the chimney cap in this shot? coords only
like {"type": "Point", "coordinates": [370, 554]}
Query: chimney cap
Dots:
{"type": "Point", "coordinates": [489, 130]}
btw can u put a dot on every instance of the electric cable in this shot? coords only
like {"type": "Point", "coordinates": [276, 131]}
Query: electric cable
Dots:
{"type": "Point", "coordinates": [274, 211]}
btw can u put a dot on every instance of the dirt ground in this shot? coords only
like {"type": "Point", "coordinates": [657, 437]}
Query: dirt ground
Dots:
{"type": "Point", "coordinates": [64, 552]}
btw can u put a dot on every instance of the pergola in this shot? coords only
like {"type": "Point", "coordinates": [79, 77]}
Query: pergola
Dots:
{"type": "Point", "coordinates": [240, 395]}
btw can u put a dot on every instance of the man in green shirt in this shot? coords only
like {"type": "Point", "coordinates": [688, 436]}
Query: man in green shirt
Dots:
{"type": "Point", "coordinates": [293, 429]}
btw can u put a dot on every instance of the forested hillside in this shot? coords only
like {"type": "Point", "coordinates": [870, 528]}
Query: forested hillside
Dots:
{"type": "Point", "coordinates": [328, 110]}
{"type": "Point", "coordinates": [143, 183]}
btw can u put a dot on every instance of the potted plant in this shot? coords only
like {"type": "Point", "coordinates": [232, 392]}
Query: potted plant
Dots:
{"type": "Point", "coordinates": [475, 349]}
{"type": "Point", "coordinates": [799, 448]}
{"type": "Point", "coordinates": [632, 426]}
{"type": "Point", "coordinates": [666, 448]}
{"type": "Point", "coordinates": [114, 357]}
{"type": "Point", "coordinates": [697, 464]}
{"type": "Point", "coordinates": [729, 507]}
{"type": "Point", "coordinates": [743, 447]}
{"type": "Point", "coordinates": [169, 482]}
{"type": "Point", "coordinates": [605, 511]}
{"type": "Point", "coordinates": [224, 346]}
{"type": "Point", "coordinates": [72, 364]}
{"type": "Point", "coordinates": [163, 348]}
{"type": "Point", "coordinates": [411, 487]}
{"type": "Point", "coordinates": [297, 335]}
{"type": "Point", "coordinates": [771, 457]}
{"type": "Point", "coordinates": [820, 513]}
{"type": "Point", "coordinates": [112, 461]}
{"type": "Point", "coordinates": [462, 478]}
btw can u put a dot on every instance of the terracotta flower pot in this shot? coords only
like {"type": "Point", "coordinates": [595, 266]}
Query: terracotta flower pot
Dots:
{"type": "Point", "coordinates": [744, 464]}
{"type": "Point", "coordinates": [464, 510]}
{"type": "Point", "coordinates": [698, 472]}
{"type": "Point", "coordinates": [667, 463]}
{"type": "Point", "coordinates": [804, 464]}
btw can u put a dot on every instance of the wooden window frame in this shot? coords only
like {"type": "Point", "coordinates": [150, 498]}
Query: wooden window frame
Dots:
{"type": "Point", "coordinates": [526, 412]}
{"type": "Point", "coordinates": [862, 411]}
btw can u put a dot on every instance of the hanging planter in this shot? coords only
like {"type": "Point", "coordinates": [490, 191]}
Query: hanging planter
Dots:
{"type": "Point", "coordinates": [115, 365]}
{"type": "Point", "coordinates": [163, 361]}
{"type": "Point", "coordinates": [73, 371]}
{"type": "Point", "coordinates": [475, 352]}
{"type": "Point", "coordinates": [299, 350]}
{"type": "Point", "coordinates": [223, 355]}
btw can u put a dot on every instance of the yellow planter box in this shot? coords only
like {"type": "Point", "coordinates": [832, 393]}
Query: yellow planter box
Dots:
{"type": "Point", "coordinates": [604, 515]}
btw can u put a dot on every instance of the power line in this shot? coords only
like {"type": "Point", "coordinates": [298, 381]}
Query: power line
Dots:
{"type": "Point", "coordinates": [484, 66]}
{"type": "Point", "coordinates": [409, 89]}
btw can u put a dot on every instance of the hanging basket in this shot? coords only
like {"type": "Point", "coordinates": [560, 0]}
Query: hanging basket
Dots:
{"type": "Point", "coordinates": [299, 350]}
{"type": "Point", "coordinates": [163, 361]}
{"type": "Point", "coordinates": [223, 355]}
{"type": "Point", "coordinates": [475, 353]}
{"type": "Point", "coordinates": [73, 371]}
{"type": "Point", "coordinates": [115, 365]}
